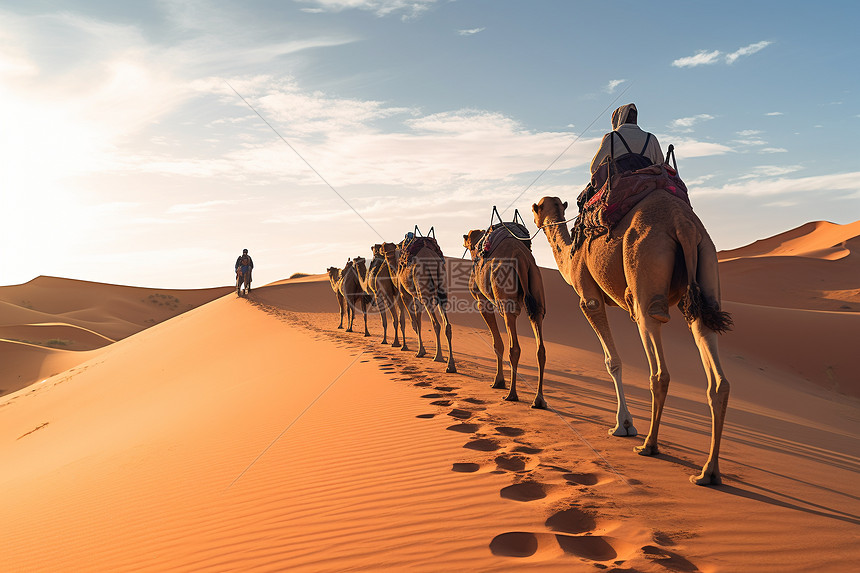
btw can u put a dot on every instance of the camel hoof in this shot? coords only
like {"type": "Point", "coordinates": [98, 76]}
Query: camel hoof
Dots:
{"type": "Point", "coordinates": [439, 358]}
{"type": "Point", "coordinates": [623, 431]}
{"type": "Point", "coordinates": [499, 385]}
{"type": "Point", "coordinates": [646, 450]}
{"type": "Point", "coordinates": [512, 397]}
{"type": "Point", "coordinates": [451, 369]}
{"type": "Point", "coordinates": [395, 344]}
{"type": "Point", "coordinates": [539, 404]}
{"type": "Point", "coordinates": [404, 348]}
{"type": "Point", "coordinates": [421, 353]}
{"type": "Point", "coordinates": [340, 327]}
{"type": "Point", "coordinates": [366, 334]}
{"type": "Point", "coordinates": [707, 478]}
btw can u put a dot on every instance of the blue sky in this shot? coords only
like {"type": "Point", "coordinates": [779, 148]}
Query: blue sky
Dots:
{"type": "Point", "coordinates": [128, 157]}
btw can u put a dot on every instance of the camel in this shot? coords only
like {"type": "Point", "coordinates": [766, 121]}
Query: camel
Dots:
{"type": "Point", "coordinates": [420, 278]}
{"type": "Point", "coordinates": [353, 295]}
{"type": "Point", "coordinates": [334, 277]}
{"type": "Point", "coordinates": [657, 255]}
{"type": "Point", "coordinates": [376, 280]}
{"type": "Point", "coordinates": [508, 279]}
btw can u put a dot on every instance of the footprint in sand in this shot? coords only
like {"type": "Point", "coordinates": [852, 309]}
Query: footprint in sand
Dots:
{"type": "Point", "coordinates": [483, 445]}
{"type": "Point", "coordinates": [669, 559]}
{"type": "Point", "coordinates": [460, 414]}
{"type": "Point", "coordinates": [510, 432]}
{"type": "Point", "coordinates": [527, 450]}
{"type": "Point", "coordinates": [571, 520]}
{"type": "Point", "coordinates": [441, 403]}
{"type": "Point", "coordinates": [432, 396]}
{"type": "Point", "coordinates": [526, 544]}
{"type": "Point", "coordinates": [464, 467]}
{"type": "Point", "coordinates": [515, 462]}
{"type": "Point", "coordinates": [445, 388]}
{"type": "Point", "coordinates": [464, 428]}
{"type": "Point", "coordinates": [524, 491]}
{"type": "Point", "coordinates": [581, 478]}
{"type": "Point", "coordinates": [425, 416]}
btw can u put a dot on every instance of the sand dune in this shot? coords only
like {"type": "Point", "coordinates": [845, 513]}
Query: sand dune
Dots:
{"type": "Point", "coordinates": [253, 435]}
{"type": "Point", "coordinates": [818, 239]}
{"type": "Point", "coordinates": [821, 275]}
{"type": "Point", "coordinates": [61, 315]}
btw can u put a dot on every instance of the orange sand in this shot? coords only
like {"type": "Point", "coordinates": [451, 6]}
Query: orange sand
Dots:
{"type": "Point", "coordinates": [251, 435]}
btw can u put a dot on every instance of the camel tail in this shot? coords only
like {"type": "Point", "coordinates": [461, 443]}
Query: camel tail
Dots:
{"type": "Point", "coordinates": [530, 282]}
{"type": "Point", "coordinates": [437, 278]}
{"type": "Point", "coordinates": [696, 304]}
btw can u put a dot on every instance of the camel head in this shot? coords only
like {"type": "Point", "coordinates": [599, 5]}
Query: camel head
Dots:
{"type": "Point", "coordinates": [549, 210]}
{"type": "Point", "coordinates": [333, 272]}
{"type": "Point", "coordinates": [389, 251]}
{"type": "Point", "coordinates": [470, 241]}
{"type": "Point", "coordinates": [376, 250]}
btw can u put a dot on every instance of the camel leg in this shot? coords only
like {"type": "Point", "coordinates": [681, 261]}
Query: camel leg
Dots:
{"type": "Point", "coordinates": [649, 331]}
{"type": "Point", "coordinates": [437, 329]}
{"type": "Point", "coordinates": [594, 309]}
{"type": "Point", "coordinates": [537, 327]}
{"type": "Point", "coordinates": [394, 309]}
{"type": "Point", "coordinates": [513, 353]}
{"type": "Point", "coordinates": [489, 316]}
{"type": "Point", "coordinates": [364, 312]}
{"type": "Point", "coordinates": [405, 301]}
{"type": "Point", "coordinates": [350, 313]}
{"type": "Point", "coordinates": [718, 399]}
{"type": "Point", "coordinates": [340, 303]}
{"type": "Point", "coordinates": [415, 315]}
{"type": "Point", "coordinates": [383, 317]}
{"type": "Point", "coordinates": [451, 368]}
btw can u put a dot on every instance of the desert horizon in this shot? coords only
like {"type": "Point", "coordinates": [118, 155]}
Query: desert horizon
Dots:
{"type": "Point", "coordinates": [194, 429]}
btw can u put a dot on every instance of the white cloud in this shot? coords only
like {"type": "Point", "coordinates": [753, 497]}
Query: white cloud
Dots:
{"type": "Point", "coordinates": [749, 132]}
{"type": "Point", "coordinates": [471, 31]}
{"type": "Point", "coordinates": [771, 171]}
{"type": "Point", "coordinates": [746, 51]}
{"type": "Point", "coordinates": [773, 150]}
{"type": "Point", "coordinates": [610, 87]}
{"type": "Point", "coordinates": [701, 58]}
{"type": "Point", "coordinates": [686, 123]}
{"type": "Point", "coordinates": [758, 186]}
{"type": "Point", "coordinates": [774, 113]}
{"type": "Point", "coordinates": [410, 8]}
{"type": "Point", "coordinates": [705, 57]}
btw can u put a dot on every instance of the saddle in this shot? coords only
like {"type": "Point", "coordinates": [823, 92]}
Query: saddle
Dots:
{"type": "Point", "coordinates": [502, 231]}
{"type": "Point", "coordinates": [600, 210]}
{"type": "Point", "coordinates": [410, 246]}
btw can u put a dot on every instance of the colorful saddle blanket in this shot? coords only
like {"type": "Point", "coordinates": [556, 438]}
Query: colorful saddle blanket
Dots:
{"type": "Point", "coordinates": [410, 247]}
{"type": "Point", "coordinates": [602, 211]}
{"type": "Point", "coordinates": [501, 232]}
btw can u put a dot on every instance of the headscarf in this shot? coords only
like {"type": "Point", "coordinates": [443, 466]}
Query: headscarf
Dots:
{"type": "Point", "coordinates": [619, 116]}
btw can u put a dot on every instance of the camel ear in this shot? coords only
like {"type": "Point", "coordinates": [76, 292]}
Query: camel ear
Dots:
{"type": "Point", "coordinates": [565, 204]}
{"type": "Point", "coordinates": [534, 207]}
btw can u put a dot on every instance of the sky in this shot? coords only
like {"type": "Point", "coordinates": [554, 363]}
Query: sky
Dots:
{"type": "Point", "coordinates": [148, 143]}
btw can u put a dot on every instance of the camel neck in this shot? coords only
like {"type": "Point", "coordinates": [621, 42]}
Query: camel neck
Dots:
{"type": "Point", "coordinates": [561, 244]}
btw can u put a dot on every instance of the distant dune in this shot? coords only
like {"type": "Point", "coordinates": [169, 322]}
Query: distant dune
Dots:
{"type": "Point", "coordinates": [228, 434]}
{"type": "Point", "coordinates": [47, 322]}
